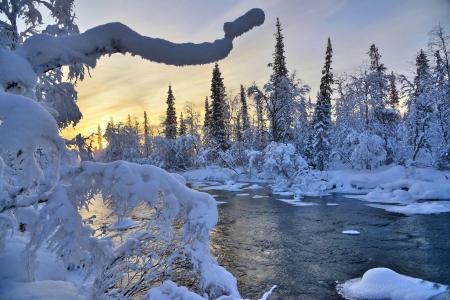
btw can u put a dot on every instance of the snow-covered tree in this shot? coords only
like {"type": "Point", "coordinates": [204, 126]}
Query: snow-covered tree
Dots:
{"type": "Point", "coordinates": [321, 122]}
{"type": "Point", "coordinates": [99, 138]}
{"type": "Point", "coordinates": [147, 143]}
{"type": "Point", "coordinates": [283, 95]}
{"type": "Point", "coordinates": [175, 241]}
{"type": "Point", "coordinates": [244, 110]}
{"type": "Point", "coordinates": [183, 128]}
{"type": "Point", "coordinates": [217, 124]}
{"type": "Point", "coordinates": [170, 123]}
{"type": "Point", "coordinates": [21, 20]}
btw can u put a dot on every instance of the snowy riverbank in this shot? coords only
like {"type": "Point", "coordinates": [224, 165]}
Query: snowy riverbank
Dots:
{"type": "Point", "coordinates": [393, 188]}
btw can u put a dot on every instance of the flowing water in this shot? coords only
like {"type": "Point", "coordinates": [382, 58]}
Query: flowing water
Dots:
{"type": "Point", "coordinates": [265, 242]}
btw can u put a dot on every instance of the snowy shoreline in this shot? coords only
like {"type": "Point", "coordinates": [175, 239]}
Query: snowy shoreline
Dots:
{"type": "Point", "coordinates": [392, 188]}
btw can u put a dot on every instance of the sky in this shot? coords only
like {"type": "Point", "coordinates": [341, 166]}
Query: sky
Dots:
{"type": "Point", "coordinates": [121, 84]}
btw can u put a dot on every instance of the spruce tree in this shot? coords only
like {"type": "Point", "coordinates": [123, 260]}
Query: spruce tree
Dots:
{"type": "Point", "coordinates": [207, 120]}
{"type": "Point", "coordinates": [321, 123]}
{"type": "Point", "coordinates": [421, 108]}
{"type": "Point", "coordinates": [394, 98]}
{"type": "Point", "coordinates": [244, 110]}
{"type": "Point", "coordinates": [279, 64]}
{"type": "Point", "coordinates": [170, 124]}
{"type": "Point", "coordinates": [217, 120]}
{"type": "Point", "coordinates": [99, 137]}
{"type": "Point", "coordinates": [183, 128]}
{"type": "Point", "coordinates": [278, 103]}
{"type": "Point", "coordinates": [147, 142]}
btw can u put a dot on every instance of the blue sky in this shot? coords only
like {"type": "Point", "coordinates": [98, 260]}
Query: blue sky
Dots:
{"type": "Point", "coordinates": [122, 85]}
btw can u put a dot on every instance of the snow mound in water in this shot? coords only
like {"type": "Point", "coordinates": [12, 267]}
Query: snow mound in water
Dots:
{"type": "Point", "coordinates": [383, 283]}
{"type": "Point", "coordinates": [351, 232]}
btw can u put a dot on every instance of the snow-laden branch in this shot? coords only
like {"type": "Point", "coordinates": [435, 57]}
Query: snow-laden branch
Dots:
{"type": "Point", "coordinates": [46, 52]}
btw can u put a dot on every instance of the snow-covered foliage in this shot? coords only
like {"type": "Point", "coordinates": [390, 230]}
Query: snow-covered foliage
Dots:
{"type": "Point", "coordinates": [43, 187]}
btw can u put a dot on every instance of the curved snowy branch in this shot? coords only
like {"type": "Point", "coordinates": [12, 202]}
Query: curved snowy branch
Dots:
{"type": "Point", "coordinates": [45, 52]}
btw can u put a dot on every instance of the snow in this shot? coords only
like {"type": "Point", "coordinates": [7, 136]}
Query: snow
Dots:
{"type": "Point", "coordinates": [46, 52]}
{"type": "Point", "coordinates": [297, 202]}
{"type": "Point", "coordinates": [259, 196]}
{"type": "Point", "coordinates": [284, 193]}
{"type": "Point", "coordinates": [209, 173]}
{"type": "Point", "coordinates": [351, 232]}
{"type": "Point", "coordinates": [384, 283]}
{"type": "Point", "coordinates": [125, 223]}
{"type": "Point", "coordinates": [254, 187]}
{"type": "Point", "coordinates": [39, 290]}
{"type": "Point", "coordinates": [423, 208]}
{"type": "Point", "coordinates": [332, 204]}
{"type": "Point", "coordinates": [242, 195]}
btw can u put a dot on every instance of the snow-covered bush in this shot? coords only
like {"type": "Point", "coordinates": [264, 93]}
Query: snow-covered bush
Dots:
{"type": "Point", "coordinates": [368, 151]}
{"type": "Point", "coordinates": [282, 160]}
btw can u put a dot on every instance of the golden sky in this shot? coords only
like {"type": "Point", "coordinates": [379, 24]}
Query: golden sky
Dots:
{"type": "Point", "coordinates": [120, 85]}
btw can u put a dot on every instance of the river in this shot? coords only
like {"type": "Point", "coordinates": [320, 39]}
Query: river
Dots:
{"type": "Point", "coordinates": [265, 242]}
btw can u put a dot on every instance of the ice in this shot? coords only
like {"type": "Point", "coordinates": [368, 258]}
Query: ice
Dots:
{"type": "Point", "coordinates": [242, 195]}
{"type": "Point", "coordinates": [284, 193]}
{"type": "Point", "coordinates": [384, 283]}
{"type": "Point", "coordinates": [351, 232]}
{"type": "Point", "coordinates": [125, 223]}
{"type": "Point", "coordinates": [297, 202]}
{"type": "Point", "coordinates": [259, 196]}
{"type": "Point", "coordinates": [332, 204]}
{"type": "Point", "coordinates": [424, 208]}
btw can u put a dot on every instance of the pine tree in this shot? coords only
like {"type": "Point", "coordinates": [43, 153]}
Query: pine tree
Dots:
{"type": "Point", "coordinates": [421, 108]}
{"type": "Point", "coordinates": [278, 103]}
{"type": "Point", "coordinates": [279, 63]}
{"type": "Point", "coordinates": [207, 120]}
{"type": "Point", "coordinates": [147, 140]}
{"type": "Point", "coordinates": [170, 123]}
{"type": "Point", "coordinates": [244, 110]}
{"type": "Point", "coordinates": [217, 121]}
{"type": "Point", "coordinates": [99, 137]}
{"type": "Point", "coordinates": [183, 128]}
{"type": "Point", "coordinates": [394, 98]}
{"type": "Point", "coordinates": [321, 123]}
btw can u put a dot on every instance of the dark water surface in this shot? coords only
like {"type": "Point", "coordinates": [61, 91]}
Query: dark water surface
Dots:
{"type": "Point", "coordinates": [265, 242]}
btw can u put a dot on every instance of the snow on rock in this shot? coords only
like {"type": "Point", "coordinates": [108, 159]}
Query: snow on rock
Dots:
{"type": "Point", "coordinates": [351, 232]}
{"type": "Point", "coordinates": [383, 283]}
{"type": "Point", "coordinates": [417, 208]}
{"type": "Point", "coordinates": [125, 223]}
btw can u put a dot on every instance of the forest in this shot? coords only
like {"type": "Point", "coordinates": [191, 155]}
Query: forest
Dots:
{"type": "Point", "coordinates": [366, 117]}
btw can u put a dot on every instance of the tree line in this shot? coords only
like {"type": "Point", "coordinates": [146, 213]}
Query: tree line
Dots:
{"type": "Point", "coordinates": [366, 117]}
